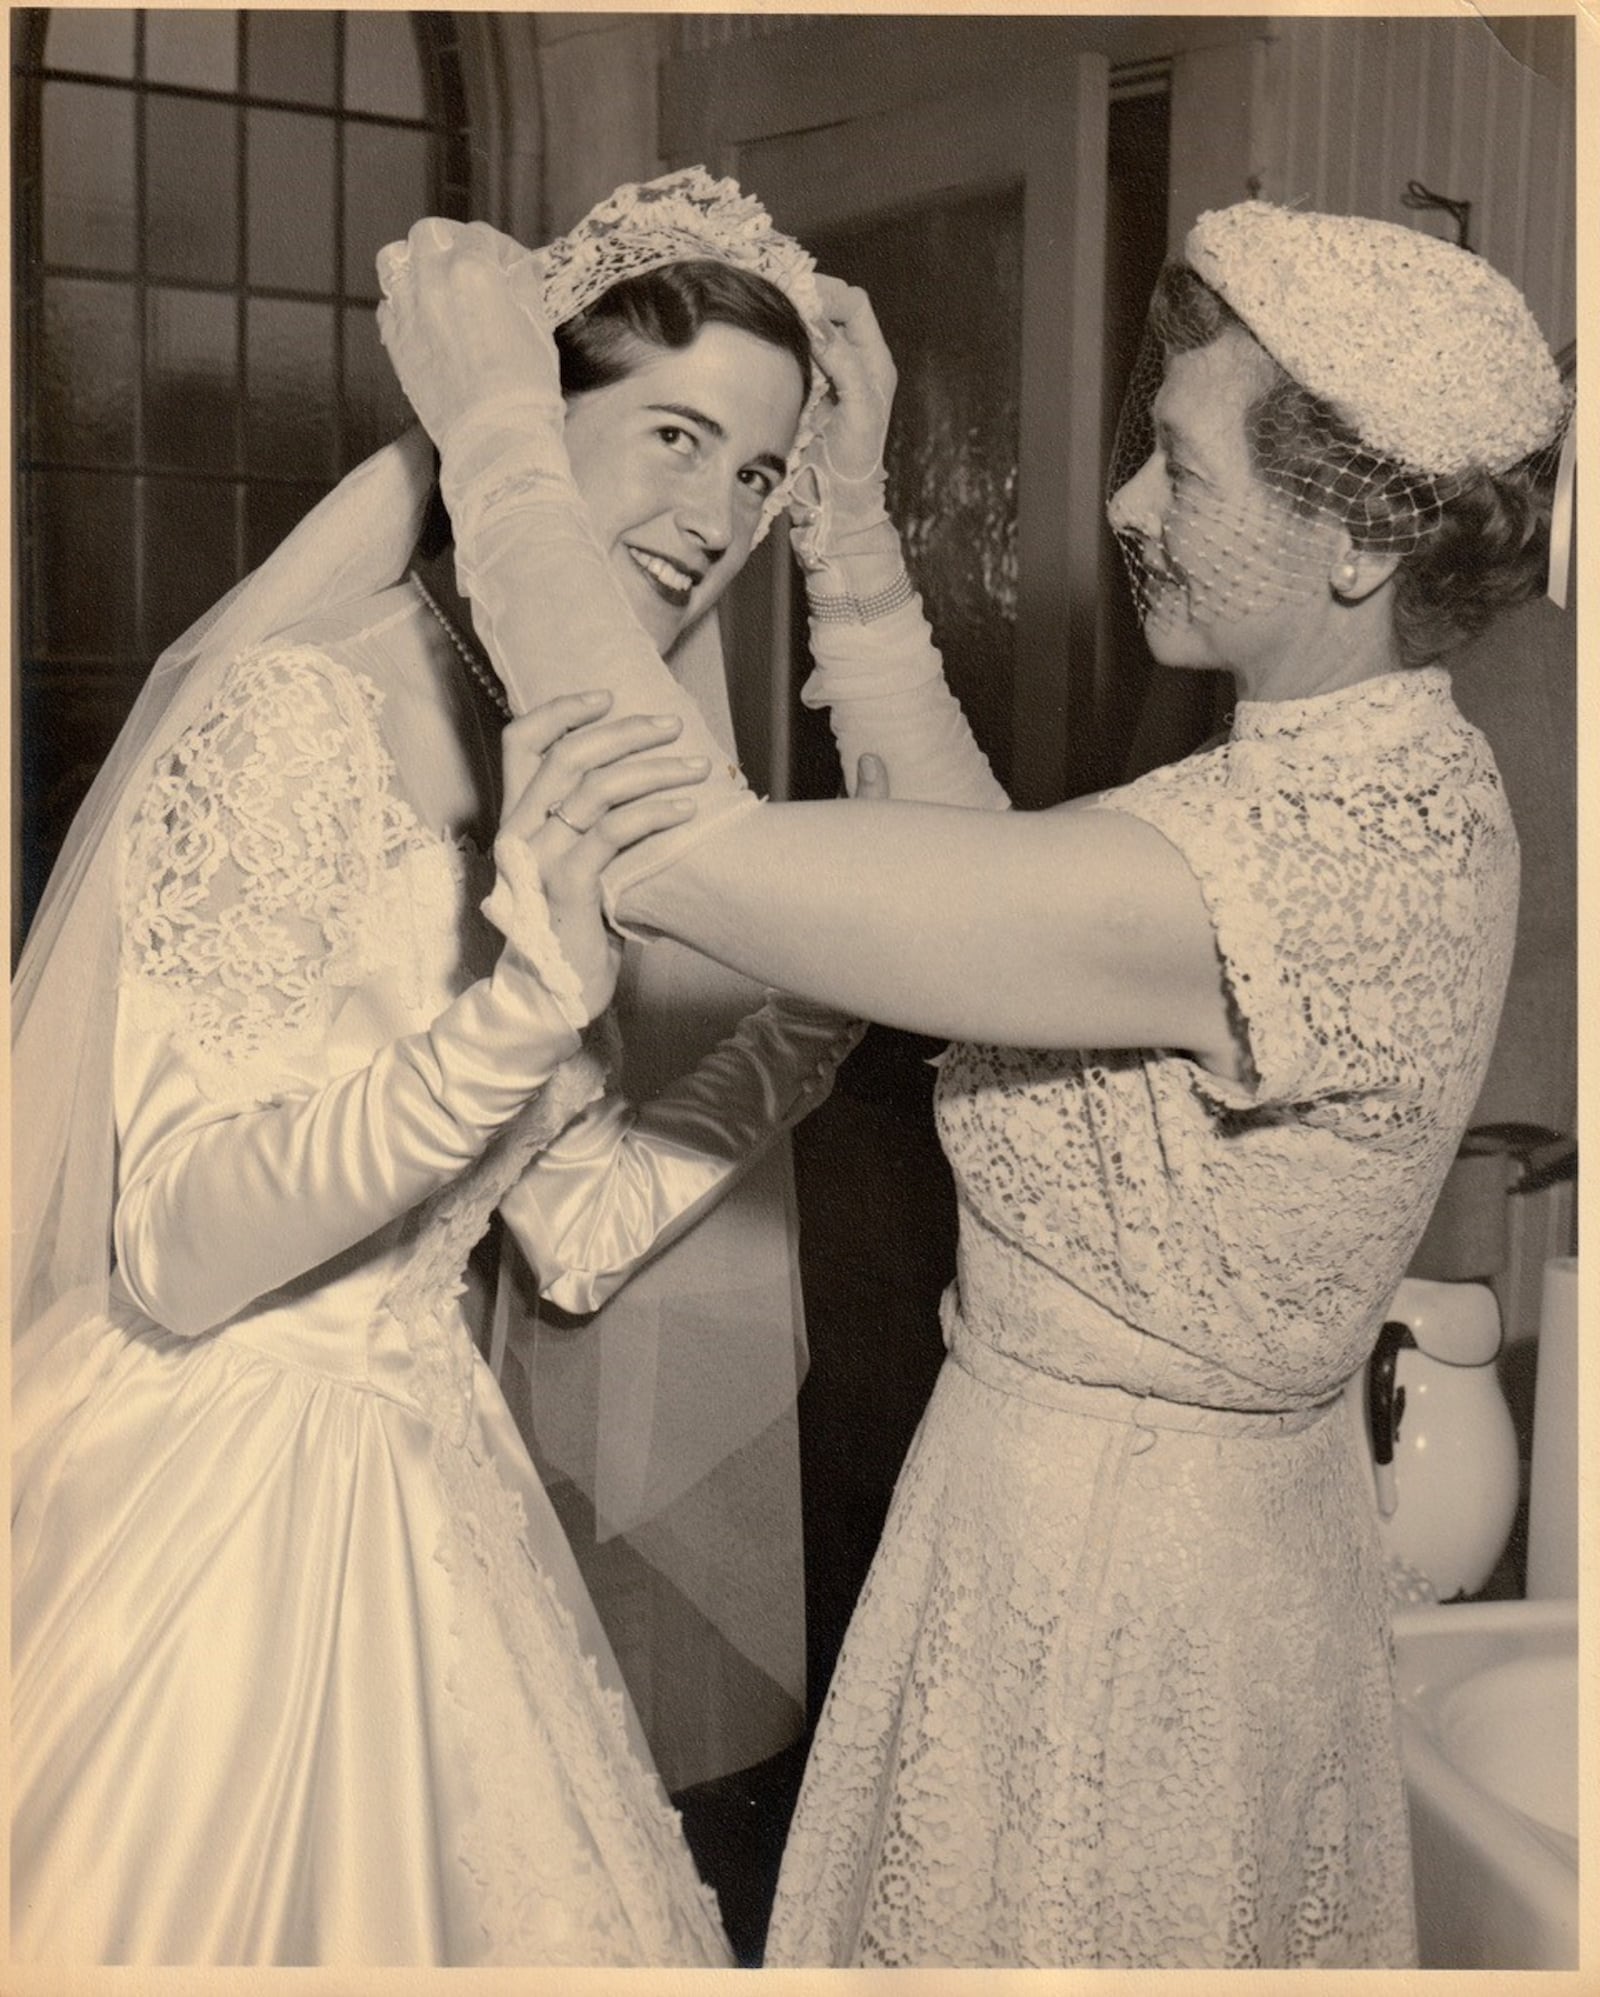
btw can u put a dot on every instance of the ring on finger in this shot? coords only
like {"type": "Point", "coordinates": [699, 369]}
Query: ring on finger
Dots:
{"type": "Point", "coordinates": [557, 811]}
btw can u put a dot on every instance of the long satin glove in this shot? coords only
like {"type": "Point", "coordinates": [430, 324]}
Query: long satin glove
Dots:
{"type": "Point", "coordinates": [884, 686]}
{"type": "Point", "coordinates": [624, 1182]}
{"type": "Point", "coordinates": [211, 1218]}
{"type": "Point", "coordinates": [545, 601]}
{"type": "Point", "coordinates": [876, 665]}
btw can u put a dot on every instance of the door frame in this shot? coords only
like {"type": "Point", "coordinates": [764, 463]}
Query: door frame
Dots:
{"type": "Point", "coordinates": [806, 71]}
{"type": "Point", "coordinates": [803, 71]}
{"type": "Point", "coordinates": [1047, 132]}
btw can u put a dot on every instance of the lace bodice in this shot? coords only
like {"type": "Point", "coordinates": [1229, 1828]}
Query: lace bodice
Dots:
{"type": "Point", "coordinates": [1359, 864]}
{"type": "Point", "coordinates": [297, 944]}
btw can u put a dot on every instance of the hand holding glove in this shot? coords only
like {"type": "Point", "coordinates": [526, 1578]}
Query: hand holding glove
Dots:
{"type": "Point", "coordinates": [463, 324]}
{"type": "Point", "coordinates": [841, 530]}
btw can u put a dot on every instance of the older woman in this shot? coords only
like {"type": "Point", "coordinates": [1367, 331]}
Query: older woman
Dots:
{"type": "Point", "coordinates": [1118, 1688]}
{"type": "Point", "coordinates": [304, 1668]}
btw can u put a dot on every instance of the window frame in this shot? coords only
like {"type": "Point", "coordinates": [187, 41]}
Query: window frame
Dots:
{"type": "Point", "coordinates": [74, 682]}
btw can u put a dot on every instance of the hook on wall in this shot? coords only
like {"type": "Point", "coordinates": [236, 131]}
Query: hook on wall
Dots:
{"type": "Point", "coordinates": [1418, 196]}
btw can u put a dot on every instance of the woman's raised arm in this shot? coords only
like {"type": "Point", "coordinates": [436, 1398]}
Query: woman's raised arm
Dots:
{"type": "Point", "coordinates": [462, 320]}
{"type": "Point", "coordinates": [1067, 928]}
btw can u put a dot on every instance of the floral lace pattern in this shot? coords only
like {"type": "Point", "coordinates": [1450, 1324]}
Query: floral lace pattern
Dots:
{"type": "Point", "coordinates": [624, 1891]}
{"type": "Point", "coordinates": [686, 214]}
{"type": "Point", "coordinates": [1118, 1691]}
{"type": "Point", "coordinates": [1115, 1696]}
{"type": "Point", "coordinates": [259, 868]}
{"type": "Point", "coordinates": [1360, 869]}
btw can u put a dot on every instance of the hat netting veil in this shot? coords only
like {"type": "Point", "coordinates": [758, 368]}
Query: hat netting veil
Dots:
{"type": "Point", "coordinates": [1385, 439]}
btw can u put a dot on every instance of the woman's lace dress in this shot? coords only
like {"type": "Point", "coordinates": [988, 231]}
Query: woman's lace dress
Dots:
{"type": "Point", "coordinates": [304, 1672]}
{"type": "Point", "coordinates": [1118, 1690]}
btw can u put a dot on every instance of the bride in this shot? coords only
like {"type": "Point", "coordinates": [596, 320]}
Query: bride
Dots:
{"type": "Point", "coordinates": [304, 1668]}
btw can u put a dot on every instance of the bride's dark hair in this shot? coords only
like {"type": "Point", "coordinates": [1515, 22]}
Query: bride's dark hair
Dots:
{"type": "Point", "coordinates": [667, 308]}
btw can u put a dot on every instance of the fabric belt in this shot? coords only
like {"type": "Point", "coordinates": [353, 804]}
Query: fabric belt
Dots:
{"type": "Point", "coordinates": [1008, 1375]}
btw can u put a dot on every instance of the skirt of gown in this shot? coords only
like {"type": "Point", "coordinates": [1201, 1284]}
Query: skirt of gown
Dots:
{"type": "Point", "coordinates": [298, 1679]}
{"type": "Point", "coordinates": [1118, 1693]}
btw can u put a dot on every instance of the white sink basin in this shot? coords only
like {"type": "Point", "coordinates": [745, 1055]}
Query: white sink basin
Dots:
{"type": "Point", "coordinates": [1489, 1737]}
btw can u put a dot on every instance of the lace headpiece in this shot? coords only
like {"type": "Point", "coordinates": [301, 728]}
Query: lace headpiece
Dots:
{"type": "Point", "coordinates": [680, 217]}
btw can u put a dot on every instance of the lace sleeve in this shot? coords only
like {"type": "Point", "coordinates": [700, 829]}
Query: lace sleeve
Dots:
{"type": "Point", "coordinates": [252, 891]}
{"type": "Point", "coordinates": [1351, 909]}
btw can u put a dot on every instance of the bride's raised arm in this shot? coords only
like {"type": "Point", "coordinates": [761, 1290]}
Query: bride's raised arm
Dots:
{"type": "Point", "coordinates": [463, 321]}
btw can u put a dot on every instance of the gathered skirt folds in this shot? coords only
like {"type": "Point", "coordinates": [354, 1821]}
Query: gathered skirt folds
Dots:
{"type": "Point", "coordinates": [298, 1680]}
{"type": "Point", "coordinates": [1118, 1693]}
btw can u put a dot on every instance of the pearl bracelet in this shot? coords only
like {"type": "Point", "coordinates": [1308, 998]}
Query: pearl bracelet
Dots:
{"type": "Point", "coordinates": [862, 609]}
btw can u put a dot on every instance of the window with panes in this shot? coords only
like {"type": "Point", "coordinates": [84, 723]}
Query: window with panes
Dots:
{"type": "Point", "coordinates": [199, 195]}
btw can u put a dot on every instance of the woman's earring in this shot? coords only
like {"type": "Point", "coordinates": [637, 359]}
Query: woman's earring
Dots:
{"type": "Point", "coordinates": [1347, 581]}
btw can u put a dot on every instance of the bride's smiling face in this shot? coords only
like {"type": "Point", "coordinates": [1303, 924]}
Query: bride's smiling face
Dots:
{"type": "Point", "coordinates": [675, 462]}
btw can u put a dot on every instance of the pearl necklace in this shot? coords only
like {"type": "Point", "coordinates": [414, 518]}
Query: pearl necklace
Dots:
{"type": "Point", "coordinates": [477, 666]}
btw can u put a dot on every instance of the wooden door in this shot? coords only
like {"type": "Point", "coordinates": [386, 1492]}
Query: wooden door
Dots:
{"type": "Point", "coordinates": [977, 222]}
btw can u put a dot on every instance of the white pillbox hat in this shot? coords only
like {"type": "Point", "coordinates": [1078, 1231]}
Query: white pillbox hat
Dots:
{"type": "Point", "coordinates": [1426, 351]}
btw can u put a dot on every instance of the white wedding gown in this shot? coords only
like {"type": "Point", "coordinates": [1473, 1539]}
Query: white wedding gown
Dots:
{"type": "Point", "coordinates": [303, 1669]}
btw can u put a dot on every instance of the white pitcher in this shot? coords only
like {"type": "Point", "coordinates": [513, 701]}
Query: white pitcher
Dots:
{"type": "Point", "coordinates": [1444, 1449]}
